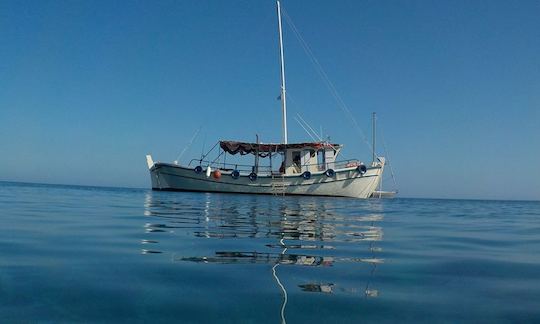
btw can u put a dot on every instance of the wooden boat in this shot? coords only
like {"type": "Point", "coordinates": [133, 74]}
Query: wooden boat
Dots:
{"type": "Point", "coordinates": [308, 168]}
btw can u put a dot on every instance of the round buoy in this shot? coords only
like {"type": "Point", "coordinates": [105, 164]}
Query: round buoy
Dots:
{"type": "Point", "coordinates": [253, 176]}
{"type": "Point", "coordinates": [362, 169]}
{"type": "Point", "coordinates": [235, 174]}
{"type": "Point", "coordinates": [217, 174]}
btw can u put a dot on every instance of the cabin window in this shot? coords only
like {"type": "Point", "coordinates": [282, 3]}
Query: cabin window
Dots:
{"type": "Point", "coordinates": [312, 159]}
{"type": "Point", "coordinates": [321, 160]}
{"type": "Point", "coordinates": [296, 161]}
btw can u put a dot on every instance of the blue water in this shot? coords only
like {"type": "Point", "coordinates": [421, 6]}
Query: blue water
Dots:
{"type": "Point", "coordinates": [82, 254]}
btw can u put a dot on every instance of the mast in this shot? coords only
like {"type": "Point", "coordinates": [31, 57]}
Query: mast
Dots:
{"type": "Point", "coordinates": [282, 61]}
{"type": "Point", "coordinates": [374, 118]}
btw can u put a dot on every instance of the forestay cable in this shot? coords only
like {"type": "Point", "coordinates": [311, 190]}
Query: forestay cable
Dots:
{"type": "Point", "coordinates": [333, 91]}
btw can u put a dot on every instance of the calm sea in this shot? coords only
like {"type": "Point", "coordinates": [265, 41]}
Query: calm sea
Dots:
{"type": "Point", "coordinates": [83, 254]}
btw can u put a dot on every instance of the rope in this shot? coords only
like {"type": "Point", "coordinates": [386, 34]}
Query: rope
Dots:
{"type": "Point", "coordinates": [189, 144]}
{"type": "Point", "coordinates": [310, 128]}
{"type": "Point", "coordinates": [306, 123]}
{"type": "Point", "coordinates": [388, 162]}
{"type": "Point", "coordinates": [318, 67]}
{"type": "Point", "coordinates": [301, 125]}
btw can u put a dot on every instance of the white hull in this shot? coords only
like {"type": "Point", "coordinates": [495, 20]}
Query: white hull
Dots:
{"type": "Point", "coordinates": [345, 183]}
{"type": "Point", "coordinates": [298, 174]}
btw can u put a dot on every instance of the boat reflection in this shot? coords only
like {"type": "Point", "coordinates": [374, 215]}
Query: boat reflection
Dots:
{"type": "Point", "coordinates": [322, 288]}
{"type": "Point", "coordinates": [256, 257]}
{"type": "Point", "coordinates": [307, 232]}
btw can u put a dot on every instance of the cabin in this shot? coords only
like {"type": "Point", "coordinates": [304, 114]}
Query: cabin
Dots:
{"type": "Point", "coordinates": [296, 158]}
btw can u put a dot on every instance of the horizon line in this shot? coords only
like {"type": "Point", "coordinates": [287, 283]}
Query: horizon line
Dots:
{"type": "Point", "coordinates": [141, 188]}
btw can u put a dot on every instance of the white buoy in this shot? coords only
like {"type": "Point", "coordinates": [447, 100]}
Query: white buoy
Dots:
{"type": "Point", "coordinates": [208, 172]}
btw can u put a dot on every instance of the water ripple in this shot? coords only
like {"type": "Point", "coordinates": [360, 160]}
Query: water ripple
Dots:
{"type": "Point", "coordinates": [79, 254]}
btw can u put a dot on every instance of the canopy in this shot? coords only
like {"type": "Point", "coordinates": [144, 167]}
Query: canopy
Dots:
{"type": "Point", "coordinates": [233, 147]}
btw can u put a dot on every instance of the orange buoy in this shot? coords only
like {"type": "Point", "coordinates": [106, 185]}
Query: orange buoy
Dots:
{"type": "Point", "coordinates": [217, 174]}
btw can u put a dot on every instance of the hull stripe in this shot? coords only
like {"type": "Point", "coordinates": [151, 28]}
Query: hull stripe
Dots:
{"type": "Point", "coordinates": [264, 186]}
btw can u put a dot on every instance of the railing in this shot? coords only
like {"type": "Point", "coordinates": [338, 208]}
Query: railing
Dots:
{"type": "Point", "coordinates": [268, 170]}
{"type": "Point", "coordinates": [345, 164]}
{"type": "Point", "coordinates": [229, 166]}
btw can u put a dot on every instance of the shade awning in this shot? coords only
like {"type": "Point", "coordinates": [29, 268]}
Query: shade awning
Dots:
{"type": "Point", "coordinates": [233, 147]}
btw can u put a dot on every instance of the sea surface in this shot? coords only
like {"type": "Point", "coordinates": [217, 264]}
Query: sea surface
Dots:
{"type": "Point", "coordinates": [86, 254]}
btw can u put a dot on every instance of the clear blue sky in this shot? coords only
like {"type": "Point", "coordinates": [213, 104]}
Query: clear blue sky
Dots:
{"type": "Point", "coordinates": [87, 88]}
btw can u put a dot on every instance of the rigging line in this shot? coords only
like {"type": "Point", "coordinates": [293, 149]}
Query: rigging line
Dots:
{"type": "Point", "coordinates": [326, 79]}
{"type": "Point", "coordinates": [315, 61]}
{"type": "Point", "coordinates": [306, 123]}
{"type": "Point", "coordinates": [203, 145]}
{"type": "Point", "coordinates": [298, 121]}
{"type": "Point", "coordinates": [208, 153]}
{"type": "Point", "coordinates": [316, 136]}
{"type": "Point", "coordinates": [315, 133]}
{"type": "Point", "coordinates": [285, 297]}
{"type": "Point", "coordinates": [388, 160]}
{"type": "Point", "coordinates": [189, 144]}
{"type": "Point", "coordinates": [217, 158]}
{"type": "Point", "coordinates": [310, 128]}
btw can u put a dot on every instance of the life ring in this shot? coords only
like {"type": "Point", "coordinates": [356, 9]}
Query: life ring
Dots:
{"type": "Point", "coordinates": [306, 175]}
{"type": "Point", "coordinates": [253, 176]}
{"type": "Point", "coordinates": [235, 174]}
{"type": "Point", "coordinates": [362, 169]}
{"type": "Point", "coordinates": [330, 173]}
{"type": "Point", "coordinates": [198, 169]}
